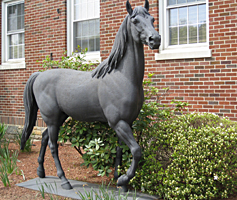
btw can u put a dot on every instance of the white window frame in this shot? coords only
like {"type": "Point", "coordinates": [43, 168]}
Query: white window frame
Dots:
{"type": "Point", "coordinates": [168, 52]}
{"type": "Point", "coordinates": [9, 63]}
{"type": "Point", "coordinates": [90, 56]}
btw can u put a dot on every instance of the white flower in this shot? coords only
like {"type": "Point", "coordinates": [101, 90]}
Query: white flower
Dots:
{"type": "Point", "coordinates": [215, 178]}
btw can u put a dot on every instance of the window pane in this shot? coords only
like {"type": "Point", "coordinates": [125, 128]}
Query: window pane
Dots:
{"type": "Point", "coordinates": [97, 8]}
{"type": "Point", "coordinates": [15, 17]}
{"type": "Point", "coordinates": [78, 29]}
{"type": "Point", "coordinates": [21, 38]}
{"type": "Point", "coordinates": [173, 17]}
{"type": "Point", "coordinates": [92, 27]}
{"type": "Point", "coordinates": [15, 22]}
{"type": "Point", "coordinates": [171, 2]}
{"type": "Point", "coordinates": [202, 13]}
{"type": "Point", "coordinates": [174, 36]}
{"type": "Point", "coordinates": [87, 34]}
{"type": "Point", "coordinates": [23, 51]}
{"type": "Point", "coordinates": [14, 39]}
{"type": "Point", "coordinates": [183, 16]}
{"type": "Point", "coordinates": [97, 44]}
{"type": "Point", "coordinates": [97, 27]}
{"type": "Point", "coordinates": [85, 28]}
{"type": "Point", "coordinates": [77, 43]}
{"type": "Point", "coordinates": [77, 13]}
{"type": "Point", "coordinates": [11, 18]}
{"type": "Point", "coordinates": [91, 44]}
{"type": "Point", "coordinates": [84, 43]}
{"type": "Point", "coordinates": [182, 1]}
{"type": "Point", "coordinates": [16, 46]}
{"type": "Point", "coordinates": [192, 15]}
{"type": "Point", "coordinates": [11, 53]}
{"type": "Point", "coordinates": [191, 1]}
{"type": "Point", "coordinates": [192, 34]}
{"type": "Point", "coordinates": [15, 52]}
{"type": "Point", "coordinates": [90, 9]}
{"type": "Point", "coordinates": [20, 51]}
{"type": "Point", "coordinates": [183, 35]}
{"type": "Point", "coordinates": [202, 33]}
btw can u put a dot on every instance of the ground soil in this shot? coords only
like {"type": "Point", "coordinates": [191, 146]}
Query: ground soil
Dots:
{"type": "Point", "coordinates": [71, 162]}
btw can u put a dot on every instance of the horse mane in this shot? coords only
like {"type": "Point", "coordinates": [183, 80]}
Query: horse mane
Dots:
{"type": "Point", "coordinates": [117, 52]}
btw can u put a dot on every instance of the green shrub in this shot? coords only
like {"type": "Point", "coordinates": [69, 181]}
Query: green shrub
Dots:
{"type": "Point", "coordinates": [191, 156]}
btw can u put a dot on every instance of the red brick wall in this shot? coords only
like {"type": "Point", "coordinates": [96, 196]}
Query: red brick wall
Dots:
{"type": "Point", "coordinates": [45, 33]}
{"type": "Point", "coordinates": [208, 84]}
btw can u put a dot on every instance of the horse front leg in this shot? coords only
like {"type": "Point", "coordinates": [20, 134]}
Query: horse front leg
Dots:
{"type": "Point", "coordinates": [118, 159]}
{"type": "Point", "coordinates": [44, 143]}
{"type": "Point", "coordinates": [124, 132]}
{"type": "Point", "coordinates": [53, 137]}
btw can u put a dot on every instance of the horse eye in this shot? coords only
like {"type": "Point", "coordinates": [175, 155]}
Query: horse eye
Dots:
{"type": "Point", "coordinates": [134, 20]}
{"type": "Point", "coordinates": [153, 20]}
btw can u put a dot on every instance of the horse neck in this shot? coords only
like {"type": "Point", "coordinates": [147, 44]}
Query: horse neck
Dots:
{"type": "Point", "coordinates": [133, 60]}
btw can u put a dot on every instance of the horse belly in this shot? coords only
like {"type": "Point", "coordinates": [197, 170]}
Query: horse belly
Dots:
{"type": "Point", "coordinates": [82, 105]}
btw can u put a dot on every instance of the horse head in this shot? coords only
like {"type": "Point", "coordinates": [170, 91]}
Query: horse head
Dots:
{"type": "Point", "coordinates": [142, 27]}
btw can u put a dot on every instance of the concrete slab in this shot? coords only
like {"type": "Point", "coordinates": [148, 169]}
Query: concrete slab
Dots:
{"type": "Point", "coordinates": [52, 185]}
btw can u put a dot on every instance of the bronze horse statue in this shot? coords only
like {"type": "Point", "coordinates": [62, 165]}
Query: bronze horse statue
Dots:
{"type": "Point", "coordinates": [111, 93]}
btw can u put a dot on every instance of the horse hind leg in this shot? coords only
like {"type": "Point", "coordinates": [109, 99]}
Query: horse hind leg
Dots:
{"type": "Point", "coordinates": [53, 137]}
{"type": "Point", "coordinates": [124, 132]}
{"type": "Point", "coordinates": [44, 143]}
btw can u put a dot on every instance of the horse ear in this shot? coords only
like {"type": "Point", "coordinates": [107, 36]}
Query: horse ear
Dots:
{"type": "Point", "coordinates": [129, 8]}
{"type": "Point", "coordinates": [146, 5]}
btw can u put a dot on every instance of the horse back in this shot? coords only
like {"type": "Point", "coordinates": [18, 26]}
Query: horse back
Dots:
{"type": "Point", "coordinates": [74, 93]}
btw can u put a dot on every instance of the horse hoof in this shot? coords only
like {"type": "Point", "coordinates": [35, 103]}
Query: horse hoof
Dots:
{"type": "Point", "coordinates": [123, 188]}
{"type": "Point", "coordinates": [66, 186]}
{"type": "Point", "coordinates": [40, 173]}
{"type": "Point", "coordinates": [122, 182]}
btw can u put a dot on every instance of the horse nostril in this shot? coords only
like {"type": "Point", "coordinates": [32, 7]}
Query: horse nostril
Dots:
{"type": "Point", "coordinates": [151, 39]}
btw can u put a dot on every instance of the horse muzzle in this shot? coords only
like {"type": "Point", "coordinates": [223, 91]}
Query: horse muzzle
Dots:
{"type": "Point", "coordinates": [154, 41]}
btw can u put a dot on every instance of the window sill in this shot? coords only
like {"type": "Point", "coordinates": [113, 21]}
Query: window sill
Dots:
{"type": "Point", "coordinates": [185, 53]}
{"type": "Point", "coordinates": [93, 57]}
{"type": "Point", "coordinates": [9, 65]}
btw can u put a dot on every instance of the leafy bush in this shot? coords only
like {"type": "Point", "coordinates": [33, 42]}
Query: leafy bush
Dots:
{"type": "Point", "coordinates": [76, 61]}
{"type": "Point", "coordinates": [191, 156]}
{"type": "Point", "coordinates": [97, 140]}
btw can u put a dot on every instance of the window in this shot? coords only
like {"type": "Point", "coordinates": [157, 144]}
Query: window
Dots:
{"type": "Point", "coordinates": [13, 36]}
{"type": "Point", "coordinates": [184, 29]}
{"type": "Point", "coordinates": [84, 27]}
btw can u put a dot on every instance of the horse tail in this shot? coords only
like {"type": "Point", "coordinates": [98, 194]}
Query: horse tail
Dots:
{"type": "Point", "coordinates": [31, 109]}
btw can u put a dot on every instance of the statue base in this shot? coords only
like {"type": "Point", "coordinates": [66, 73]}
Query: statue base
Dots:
{"type": "Point", "coordinates": [52, 185]}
